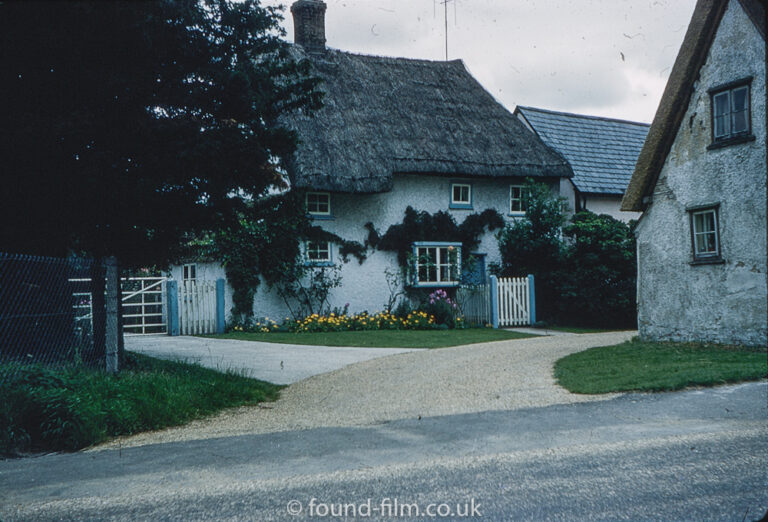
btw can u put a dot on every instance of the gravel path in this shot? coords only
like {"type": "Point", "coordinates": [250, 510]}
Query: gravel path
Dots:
{"type": "Point", "coordinates": [504, 375]}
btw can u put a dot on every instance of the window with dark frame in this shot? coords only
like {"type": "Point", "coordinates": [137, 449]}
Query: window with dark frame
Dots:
{"type": "Point", "coordinates": [318, 203]}
{"type": "Point", "coordinates": [318, 251]}
{"type": "Point", "coordinates": [731, 118]}
{"type": "Point", "coordinates": [705, 236]}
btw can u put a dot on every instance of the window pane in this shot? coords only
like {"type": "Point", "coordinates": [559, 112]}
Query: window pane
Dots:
{"type": "Point", "coordinates": [319, 251]}
{"type": "Point", "coordinates": [739, 97]}
{"type": "Point", "coordinates": [704, 233]}
{"type": "Point", "coordinates": [704, 222]}
{"type": "Point", "coordinates": [318, 203]}
{"type": "Point", "coordinates": [515, 199]}
{"type": "Point", "coordinates": [721, 112]}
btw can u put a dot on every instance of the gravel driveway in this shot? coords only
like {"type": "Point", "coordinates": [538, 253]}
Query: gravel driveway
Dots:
{"type": "Point", "coordinates": [504, 375]}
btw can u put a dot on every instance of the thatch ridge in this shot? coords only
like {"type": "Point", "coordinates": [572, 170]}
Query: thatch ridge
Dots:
{"type": "Point", "coordinates": [385, 115]}
{"type": "Point", "coordinates": [677, 94]}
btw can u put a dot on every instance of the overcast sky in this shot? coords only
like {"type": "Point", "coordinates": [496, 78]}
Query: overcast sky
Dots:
{"type": "Point", "coordinates": [602, 57]}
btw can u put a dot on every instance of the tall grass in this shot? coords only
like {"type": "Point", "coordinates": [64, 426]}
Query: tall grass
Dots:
{"type": "Point", "coordinates": [74, 407]}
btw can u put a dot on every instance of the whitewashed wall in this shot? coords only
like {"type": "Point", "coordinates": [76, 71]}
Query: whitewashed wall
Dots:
{"type": "Point", "coordinates": [716, 302]}
{"type": "Point", "coordinates": [364, 286]}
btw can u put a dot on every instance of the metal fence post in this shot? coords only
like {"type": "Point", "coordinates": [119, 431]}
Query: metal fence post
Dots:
{"type": "Point", "coordinates": [532, 295]}
{"type": "Point", "coordinates": [112, 331]}
{"type": "Point", "coordinates": [172, 292]}
{"type": "Point", "coordinates": [220, 318]}
{"type": "Point", "coordinates": [495, 301]}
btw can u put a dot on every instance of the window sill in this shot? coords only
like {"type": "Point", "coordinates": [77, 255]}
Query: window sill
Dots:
{"type": "Point", "coordinates": [460, 206]}
{"type": "Point", "coordinates": [444, 284]}
{"type": "Point", "coordinates": [708, 261]}
{"type": "Point", "coordinates": [516, 214]}
{"type": "Point", "coordinates": [318, 264]}
{"type": "Point", "coordinates": [735, 140]}
{"type": "Point", "coordinates": [321, 217]}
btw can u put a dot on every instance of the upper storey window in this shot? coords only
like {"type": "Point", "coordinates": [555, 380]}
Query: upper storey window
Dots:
{"type": "Point", "coordinates": [319, 203]}
{"type": "Point", "coordinates": [731, 118]}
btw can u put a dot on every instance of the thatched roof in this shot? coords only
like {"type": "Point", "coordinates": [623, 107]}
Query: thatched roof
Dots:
{"type": "Point", "coordinates": [394, 115]}
{"type": "Point", "coordinates": [677, 95]}
{"type": "Point", "coordinates": [601, 151]}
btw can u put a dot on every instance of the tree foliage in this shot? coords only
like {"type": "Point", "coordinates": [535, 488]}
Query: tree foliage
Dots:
{"type": "Point", "coordinates": [585, 271]}
{"type": "Point", "coordinates": [128, 125]}
{"type": "Point", "coordinates": [602, 268]}
{"type": "Point", "coordinates": [534, 245]}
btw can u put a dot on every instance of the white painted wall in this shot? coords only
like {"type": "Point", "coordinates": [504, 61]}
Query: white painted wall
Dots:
{"type": "Point", "coordinates": [364, 286]}
{"type": "Point", "coordinates": [609, 205]}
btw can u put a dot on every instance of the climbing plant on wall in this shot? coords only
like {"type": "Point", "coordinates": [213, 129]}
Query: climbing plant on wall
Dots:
{"type": "Point", "coordinates": [440, 226]}
{"type": "Point", "coordinates": [266, 244]}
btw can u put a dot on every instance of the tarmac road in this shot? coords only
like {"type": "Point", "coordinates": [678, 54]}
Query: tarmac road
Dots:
{"type": "Point", "coordinates": [692, 455]}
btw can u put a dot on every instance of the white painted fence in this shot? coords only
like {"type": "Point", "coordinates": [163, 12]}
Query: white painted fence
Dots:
{"type": "Point", "coordinates": [197, 307]}
{"type": "Point", "coordinates": [514, 301]}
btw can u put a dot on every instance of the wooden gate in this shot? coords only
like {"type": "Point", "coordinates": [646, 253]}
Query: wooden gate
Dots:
{"type": "Point", "coordinates": [197, 307]}
{"type": "Point", "coordinates": [514, 301]}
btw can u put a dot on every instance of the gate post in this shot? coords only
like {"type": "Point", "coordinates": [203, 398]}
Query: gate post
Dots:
{"type": "Point", "coordinates": [220, 318]}
{"type": "Point", "coordinates": [172, 293]}
{"type": "Point", "coordinates": [532, 298]}
{"type": "Point", "coordinates": [495, 301]}
{"type": "Point", "coordinates": [111, 331]}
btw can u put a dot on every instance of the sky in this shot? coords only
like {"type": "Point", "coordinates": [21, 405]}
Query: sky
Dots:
{"type": "Point", "coordinates": [606, 58]}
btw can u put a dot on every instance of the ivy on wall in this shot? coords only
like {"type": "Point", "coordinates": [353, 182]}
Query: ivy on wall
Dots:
{"type": "Point", "coordinates": [440, 226]}
{"type": "Point", "coordinates": [266, 244]}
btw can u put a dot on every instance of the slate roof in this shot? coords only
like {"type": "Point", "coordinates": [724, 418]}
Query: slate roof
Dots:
{"type": "Point", "coordinates": [677, 94]}
{"type": "Point", "coordinates": [394, 115]}
{"type": "Point", "coordinates": [602, 151]}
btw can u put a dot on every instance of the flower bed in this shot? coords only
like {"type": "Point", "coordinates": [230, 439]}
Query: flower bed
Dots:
{"type": "Point", "coordinates": [417, 320]}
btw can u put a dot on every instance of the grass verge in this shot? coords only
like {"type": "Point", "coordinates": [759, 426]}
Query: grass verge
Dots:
{"type": "Point", "coordinates": [72, 408]}
{"type": "Point", "coordinates": [383, 338]}
{"type": "Point", "coordinates": [646, 366]}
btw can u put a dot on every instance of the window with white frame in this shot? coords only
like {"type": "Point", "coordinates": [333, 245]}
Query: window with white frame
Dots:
{"type": "Point", "coordinates": [437, 264]}
{"type": "Point", "coordinates": [189, 272]}
{"type": "Point", "coordinates": [517, 204]}
{"type": "Point", "coordinates": [318, 251]}
{"type": "Point", "coordinates": [730, 111]}
{"type": "Point", "coordinates": [318, 203]}
{"type": "Point", "coordinates": [704, 234]}
{"type": "Point", "coordinates": [461, 195]}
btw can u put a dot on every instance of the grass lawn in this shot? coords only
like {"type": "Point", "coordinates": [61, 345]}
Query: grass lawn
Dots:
{"type": "Point", "coordinates": [71, 408]}
{"type": "Point", "coordinates": [646, 366]}
{"type": "Point", "coordinates": [383, 338]}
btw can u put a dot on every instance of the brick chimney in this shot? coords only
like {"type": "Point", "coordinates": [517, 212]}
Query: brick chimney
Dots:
{"type": "Point", "coordinates": [309, 25]}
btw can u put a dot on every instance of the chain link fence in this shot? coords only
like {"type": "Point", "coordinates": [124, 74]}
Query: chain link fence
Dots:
{"type": "Point", "coordinates": [52, 312]}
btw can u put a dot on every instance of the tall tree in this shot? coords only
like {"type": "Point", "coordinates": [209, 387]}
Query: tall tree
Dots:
{"type": "Point", "coordinates": [127, 125]}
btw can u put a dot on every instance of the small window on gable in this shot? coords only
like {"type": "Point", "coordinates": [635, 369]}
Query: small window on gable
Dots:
{"type": "Point", "coordinates": [705, 235]}
{"type": "Point", "coordinates": [437, 264]}
{"type": "Point", "coordinates": [318, 252]}
{"type": "Point", "coordinates": [461, 195]}
{"type": "Point", "coordinates": [517, 206]}
{"type": "Point", "coordinates": [731, 118]}
{"type": "Point", "coordinates": [189, 272]}
{"type": "Point", "coordinates": [319, 203]}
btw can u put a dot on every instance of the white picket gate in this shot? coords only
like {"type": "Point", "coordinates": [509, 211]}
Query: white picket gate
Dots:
{"type": "Point", "coordinates": [197, 307]}
{"type": "Point", "coordinates": [514, 301]}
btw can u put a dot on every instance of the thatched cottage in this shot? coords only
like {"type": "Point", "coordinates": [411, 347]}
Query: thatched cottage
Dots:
{"type": "Point", "coordinates": [700, 182]}
{"type": "Point", "coordinates": [394, 133]}
{"type": "Point", "coordinates": [601, 151]}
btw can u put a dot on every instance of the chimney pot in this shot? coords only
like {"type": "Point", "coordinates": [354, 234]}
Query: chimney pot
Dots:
{"type": "Point", "coordinates": [309, 24]}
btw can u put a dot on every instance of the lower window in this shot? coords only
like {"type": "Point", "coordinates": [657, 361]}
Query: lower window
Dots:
{"type": "Point", "coordinates": [704, 234]}
{"type": "Point", "coordinates": [437, 264]}
{"type": "Point", "coordinates": [318, 251]}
